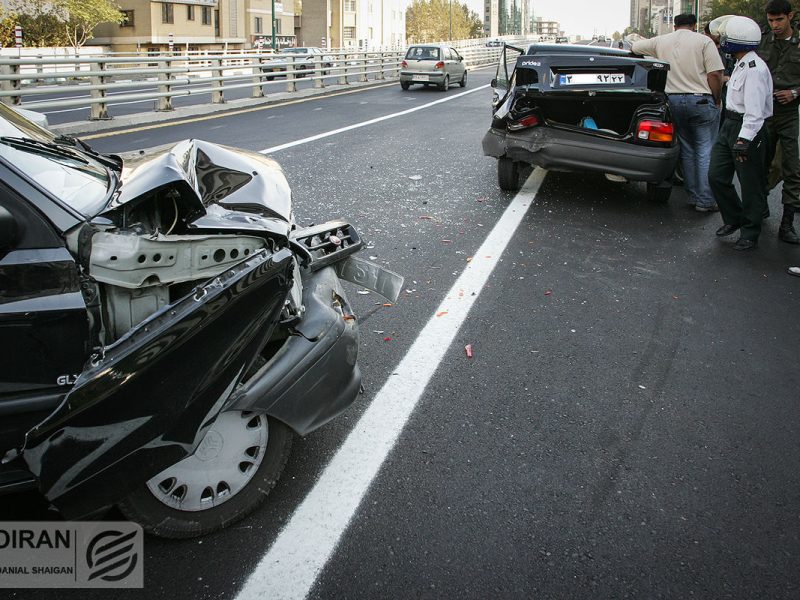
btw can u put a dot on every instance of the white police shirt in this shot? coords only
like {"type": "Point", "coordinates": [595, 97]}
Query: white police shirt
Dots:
{"type": "Point", "coordinates": [750, 93]}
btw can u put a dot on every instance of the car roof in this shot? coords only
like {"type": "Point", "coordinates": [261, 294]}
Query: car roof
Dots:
{"type": "Point", "coordinates": [574, 49]}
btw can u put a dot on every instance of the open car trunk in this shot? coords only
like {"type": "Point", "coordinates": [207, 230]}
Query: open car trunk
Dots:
{"type": "Point", "coordinates": [599, 112]}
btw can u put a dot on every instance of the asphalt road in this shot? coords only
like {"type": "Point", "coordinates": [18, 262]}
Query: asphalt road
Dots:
{"type": "Point", "coordinates": [628, 424]}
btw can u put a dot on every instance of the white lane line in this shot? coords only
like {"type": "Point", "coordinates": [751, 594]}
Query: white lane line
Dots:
{"type": "Point", "coordinates": [320, 136]}
{"type": "Point", "coordinates": [291, 565]}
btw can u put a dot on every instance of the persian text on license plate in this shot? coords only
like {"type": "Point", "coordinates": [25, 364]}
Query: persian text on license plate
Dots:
{"type": "Point", "coordinates": [591, 78]}
{"type": "Point", "coordinates": [421, 78]}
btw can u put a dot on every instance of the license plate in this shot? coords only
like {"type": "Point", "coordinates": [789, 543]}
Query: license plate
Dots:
{"type": "Point", "coordinates": [591, 78]}
{"type": "Point", "coordinates": [371, 276]}
{"type": "Point", "coordinates": [421, 78]}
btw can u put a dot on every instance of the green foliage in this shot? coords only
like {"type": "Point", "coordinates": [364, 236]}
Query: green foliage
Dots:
{"type": "Point", "coordinates": [616, 36]}
{"type": "Point", "coordinates": [747, 8]}
{"type": "Point", "coordinates": [85, 15]}
{"type": "Point", "coordinates": [68, 22]}
{"type": "Point", "coordinates": [436, 20]}
{"type": "Point", "coordinates": [7, 22]}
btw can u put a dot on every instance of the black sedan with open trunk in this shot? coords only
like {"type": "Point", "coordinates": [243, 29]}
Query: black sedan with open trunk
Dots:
{"type": "Point", "coordinates": [582, 108]}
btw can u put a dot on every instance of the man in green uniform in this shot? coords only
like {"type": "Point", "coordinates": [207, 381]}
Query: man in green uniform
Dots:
{"type": "Point", "coordinates": [780, 49]}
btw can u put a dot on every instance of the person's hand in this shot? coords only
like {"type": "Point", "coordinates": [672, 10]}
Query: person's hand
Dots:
{"type": "Point", "coordinates": [740, 149]}
{"type": "Point", "coordinates": [784, 96]}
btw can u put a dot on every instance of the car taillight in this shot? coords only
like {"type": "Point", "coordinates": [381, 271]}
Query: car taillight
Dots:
{"type": "Point", "coordinates": [655, 131]}
{"type": "Point", "coordinates": [439, 65]}
{"type": "Point", "coordinates": [404, 64]}
{"type": "Point", "coordinates": [524, 123]}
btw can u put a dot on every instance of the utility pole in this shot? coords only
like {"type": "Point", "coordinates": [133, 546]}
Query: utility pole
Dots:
{"type": "Point", "coordinates": [451, 21]}
{"type": "Point", "coordinates": [273, 25]}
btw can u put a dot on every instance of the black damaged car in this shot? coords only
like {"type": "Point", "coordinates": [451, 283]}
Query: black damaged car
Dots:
{"type": "Point", "coordinates": [165, 328]}
{"type": "Point", "coordinates": [582, 108]}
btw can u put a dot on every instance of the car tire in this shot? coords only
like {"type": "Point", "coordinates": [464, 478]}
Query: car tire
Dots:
{"type": "Point", "coordinates": [508, 174]}
{"type": "Point", "coordinates": [270, 78]}
{"type": "Point", "coordinates": [445, 84]}
{"type": "Point", "coordinates": [463, 82]}
{"type": "Point", "coordinates": [405, 85]}
{"type": "Point", "coordinates": [659, 192]}
{"type": "Point", "coordinates": [156, 511]}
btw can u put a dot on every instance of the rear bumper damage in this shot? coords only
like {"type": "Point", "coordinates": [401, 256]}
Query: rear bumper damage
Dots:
{"type": "Point", "coordinates": [561, 150]}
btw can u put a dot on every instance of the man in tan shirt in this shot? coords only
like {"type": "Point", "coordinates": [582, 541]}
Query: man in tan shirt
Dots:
{"type": "Point", "coordinates": [694, 85]}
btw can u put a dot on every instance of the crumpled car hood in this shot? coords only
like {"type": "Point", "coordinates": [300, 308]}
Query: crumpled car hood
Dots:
{"type": "Point", "coordinates": [204, 175]}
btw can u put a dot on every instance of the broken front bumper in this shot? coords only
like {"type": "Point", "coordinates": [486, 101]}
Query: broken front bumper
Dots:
{"type": "Point", "coordinates": [560, 150]}
{"type": "Point", "coordinates": [314, 376]}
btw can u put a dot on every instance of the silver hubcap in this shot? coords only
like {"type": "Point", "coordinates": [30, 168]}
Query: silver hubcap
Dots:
{"type": "Point", "coordinates": [221, 466]}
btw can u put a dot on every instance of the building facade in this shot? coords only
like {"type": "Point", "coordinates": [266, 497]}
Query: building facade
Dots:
{"type": "Point", "coordinates": [655, 16]}
{"type": "Point", "coordinates": [190, 25]}
{"type": "Point", "coordinates": [508, 17]}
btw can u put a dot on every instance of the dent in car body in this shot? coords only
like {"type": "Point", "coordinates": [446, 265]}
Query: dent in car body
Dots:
{"type": "Point", "coordinates": [147, 402]}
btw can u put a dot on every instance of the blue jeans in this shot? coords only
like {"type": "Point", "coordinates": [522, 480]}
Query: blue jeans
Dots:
{"type": "Point", "coordinates": [696, 120]}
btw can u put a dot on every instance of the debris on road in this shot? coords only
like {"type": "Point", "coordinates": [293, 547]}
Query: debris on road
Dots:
{"type": "Point", "coordinates": [468, 350]}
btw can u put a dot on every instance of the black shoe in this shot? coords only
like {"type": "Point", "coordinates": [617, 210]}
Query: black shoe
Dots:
{"type": "Point", "coordinates": [742, 244]}
{"type": "Point", "coordinates": [788, 234]}
{"type": "Point", "coordinates": [727, 230]}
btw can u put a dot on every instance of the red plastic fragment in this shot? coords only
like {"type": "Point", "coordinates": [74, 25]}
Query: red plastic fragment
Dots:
{"type": "Point", "coordinates": [468, 350]}
{"type": "Point", "coordinates": [548, 293]}
{"type": "Point", "coordinates": [387, 339]}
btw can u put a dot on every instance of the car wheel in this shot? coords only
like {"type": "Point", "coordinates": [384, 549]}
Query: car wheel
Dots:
{"type": "Point", "coordinates": [270, 78]}
{"type": "Point", "coordinates": [659, 192]}
{"type": "Point", "coordinates": [405, 85]}
{"type": "Point", "coordinates": [230, 473]}
{"type": "Point", "coordinates": [463, 82]}
{"type": "Point", "coordinates": [508, 174]}
{"type": "Point", "coordinates": [445, 84]}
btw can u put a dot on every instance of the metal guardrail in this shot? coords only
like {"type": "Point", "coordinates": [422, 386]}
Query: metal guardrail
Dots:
{"type": "Point", "coordinates": [95, 76]}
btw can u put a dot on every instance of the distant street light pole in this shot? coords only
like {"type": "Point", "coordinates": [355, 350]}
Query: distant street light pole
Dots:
{"type": "Point", "coordinates": [273, 25]}
{"type": "Point", "coordinates": [451, 20]}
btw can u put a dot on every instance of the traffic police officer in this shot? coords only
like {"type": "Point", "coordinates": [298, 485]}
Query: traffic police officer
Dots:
{"type": "Point", "coordinates": [780, 49]}
{"type": "Point", "coordinates": [742, 144]}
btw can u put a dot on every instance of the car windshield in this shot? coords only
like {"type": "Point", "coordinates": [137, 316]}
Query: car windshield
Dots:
{"type": "Point", "coordinates": [423, 53]}
{"type": "Point", "coordinates": [296, 51]}
{"type": "Point", "coordinates": [73, 177]}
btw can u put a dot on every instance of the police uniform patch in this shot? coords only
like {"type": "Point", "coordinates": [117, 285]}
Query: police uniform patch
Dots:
{"type": "Point", "coordinates": [741, 65]}
{"type": "Point", "coordinates": [752, 63]}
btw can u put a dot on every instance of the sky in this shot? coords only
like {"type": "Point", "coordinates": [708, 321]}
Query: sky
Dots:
{"type": "Point", "coordinates": [578, 17]}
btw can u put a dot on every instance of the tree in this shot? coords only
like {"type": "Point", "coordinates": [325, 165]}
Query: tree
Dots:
{"type": "Point", "coordinates": [616, 36]}
{"type": "Point", "coordinates": [434, 20]}
{"type": "Point", "coordinates": [474, 21]}
{"type": "Point", "coordinates": [747, 8]}
{"type": "Point", "coordinates": [42, 26]}
{"type": "Point", "coordinates": [82, 16]}
{"type": "Point", "coordinates": [7, 22]}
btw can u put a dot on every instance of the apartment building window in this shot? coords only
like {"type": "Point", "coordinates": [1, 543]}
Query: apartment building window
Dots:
{"type": "Point", "coordinates": [206, 15]}
{"type": "Point", "coordinates": [216, 23]}
{"type": "Point", "coordinates": [190, 12]}
{"type": "Point", "coordinates": [350, 6]}
{"type": "Point", "coordinates": [167, 13]}
{"type": "Point", "coordinates": [349, 33]}
{"type": "Point", "coordinates": [128, 18]}
{"type": "Point", "coordinates": [277, 26]}
{"type": "Point", "coordinates": [259, 25]}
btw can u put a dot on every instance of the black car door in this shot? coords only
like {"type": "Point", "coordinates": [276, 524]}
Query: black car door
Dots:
{"type": "Point", "coordinates": [44, 329]}
{"type": "Point", "coordinates": [501, 84]}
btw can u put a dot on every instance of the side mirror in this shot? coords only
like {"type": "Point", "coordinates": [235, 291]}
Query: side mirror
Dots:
{"type": "Point", "coordinates": [460, 59]}
{"type": "Point", "coordinates": [9, 231]}
{"type": "Point", "coordinates": [493, 83]}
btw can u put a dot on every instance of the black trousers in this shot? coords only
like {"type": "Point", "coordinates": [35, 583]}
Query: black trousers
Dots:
{"type": "Point", "coordinates": [745, 212]}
